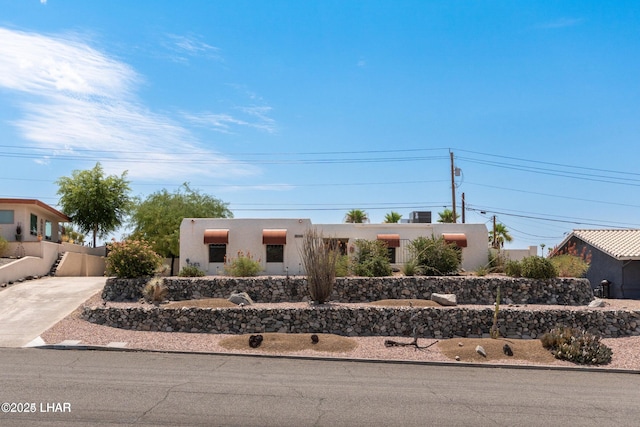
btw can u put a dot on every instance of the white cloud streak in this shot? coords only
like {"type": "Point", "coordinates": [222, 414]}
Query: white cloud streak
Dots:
{"type": "Point", "coordinates": [72, 96]}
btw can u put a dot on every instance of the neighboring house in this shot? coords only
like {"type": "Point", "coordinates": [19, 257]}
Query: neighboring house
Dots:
{"type": "Point", "coordinates": [276, 243]}
{"type": "Point", "coordinates": [38, 248]}
{"type": "Point", "coordinates": [615, 256]}
{"type": "Point", "coordinates": [34, 217]}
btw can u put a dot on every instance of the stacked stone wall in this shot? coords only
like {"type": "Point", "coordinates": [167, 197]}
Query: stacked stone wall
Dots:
{"type": "Point", "coordinates": [441, 322]}
{"type": "Point", "coordinates": [468, 289]}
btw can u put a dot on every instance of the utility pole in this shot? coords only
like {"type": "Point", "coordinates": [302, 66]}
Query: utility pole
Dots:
{"type": "Point", "coordinates": [495, 241]}
{"type": "Point", "coordinates": [453, 187]}
{"type": "Point", "coordinates": [463, 208]}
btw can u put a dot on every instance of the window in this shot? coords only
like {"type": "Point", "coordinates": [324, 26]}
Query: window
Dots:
{"type": "Point", "coordinates": [391, 253]}
{"type": "Point", "coordinates": [275, 253]}
{"type": "Point", "coordinates": [47, 230]}
{"type": "Point", "coordinates": [6, 217]}
{"type": "Point", "coordinates": [217, 252]}
{"type": "Point", "coordinates": [33, 228]}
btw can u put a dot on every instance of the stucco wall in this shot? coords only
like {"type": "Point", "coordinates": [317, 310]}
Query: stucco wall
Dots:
{"type": "Point", "coordinates": [79, 264]}
{"type": "Point", "coordinates": [246, 235]}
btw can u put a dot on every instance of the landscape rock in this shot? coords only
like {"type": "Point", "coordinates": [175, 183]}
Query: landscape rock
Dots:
{"type": "Point", "coordinates": [241, 298]}
{"type": "Point", "coordinates": [444, 299]}
{"type": "Point", "coordinates": [597, 303]}
{"type": "Point", "coordinates": [481, 351]}
{"type": "Point", "coordinates": [506, 349]}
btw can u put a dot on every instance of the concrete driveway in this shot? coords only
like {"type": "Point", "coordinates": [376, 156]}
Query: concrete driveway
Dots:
{"type": "Point", "coordinates": [29, 308]}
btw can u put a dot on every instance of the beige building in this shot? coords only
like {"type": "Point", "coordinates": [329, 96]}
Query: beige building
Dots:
{"type": "Point", "coordinates": [276, 243]}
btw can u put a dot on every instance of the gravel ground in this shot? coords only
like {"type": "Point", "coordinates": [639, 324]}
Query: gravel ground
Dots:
{"type": "Point", "coordinates": [626, 351]}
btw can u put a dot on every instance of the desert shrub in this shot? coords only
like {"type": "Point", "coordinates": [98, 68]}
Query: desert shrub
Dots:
{"type": "Point", "coordinates": [132, 258]}
{"type": "Point", "coordinates": [568, 265]}
{"type": "Point", "coordinates": [319, 260]}
{"type": "Point", "coordinates": [242, 266]}
{"type": "Point", "coordinates": [513, 269]}
{"type": "Point", "coordinates": [371, 259]}
{"type": "Point", "coordinates": [536, 267]}
{"type": "Point", "coordinates": [4, 245]}
{"type": "Point", "coordinates": [343, 266]}
{"type": "Point", "coordinates": [497, 262]}
{"type": "Point", "coordinates": [434, 256]}
{"type": "Point", "coordinates": [155, 291]}
{"type": "Point", "coordinates": [576, 345]}
{"type": "Point", "coordinates": [191, 270]}
{"type": "Point", "coordinates": [410, 268]}
{"type": "Point", "coordinates": [482, 271]}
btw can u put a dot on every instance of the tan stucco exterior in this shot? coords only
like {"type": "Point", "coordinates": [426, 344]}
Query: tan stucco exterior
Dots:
{"type": "Point", "coordinates": [22, 210]}
{"type": "Point", "coordinates": [246, 235]}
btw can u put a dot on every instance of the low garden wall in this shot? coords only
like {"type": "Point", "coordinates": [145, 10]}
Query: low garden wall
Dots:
{"type": "Point", "coordinates": [442, 322]}
{"type": "Point", "coordinates": [468, 289]}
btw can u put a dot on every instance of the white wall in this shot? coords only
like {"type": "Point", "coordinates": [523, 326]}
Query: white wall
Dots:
{"type": "Point", "coordinates": [246, 235]}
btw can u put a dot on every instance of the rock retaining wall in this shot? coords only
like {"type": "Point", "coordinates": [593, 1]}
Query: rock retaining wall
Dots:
{"type": "Point", "coordinates": [468, 290]}
{"type": "Point", "coordinates": [431, 322]}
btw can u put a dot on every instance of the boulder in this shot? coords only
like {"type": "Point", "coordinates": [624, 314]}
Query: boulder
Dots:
{"type": "Point", "coordinates": [241, 298]}
{"type": "Point", "coordinates": [481, 351]}
{"type": "Point", "coordinates": [506, 349]}
{"type": "Point", "coordinates": [597, 303]}
{"type": "Point", "coordinates": [444, 299]}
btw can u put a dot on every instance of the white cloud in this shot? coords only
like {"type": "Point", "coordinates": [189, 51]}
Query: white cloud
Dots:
{"type": "Point", "coordinates": [255, 117]}
{"type": "Point", "coordinates": [182, 47]}
{"type": "Point", "coordinates": [72, 96]}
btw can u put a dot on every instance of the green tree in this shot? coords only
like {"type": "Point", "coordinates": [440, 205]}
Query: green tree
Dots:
{"type": "Point", "coordinates": [356, 216]}
{"type": "Point", "coordinates": [157, 219]}
{"type": "Point", "coordinates": [446, 216]}
{"type": "Point", "coordinates": [501, 235]}
{"type": "Point", "coordinates": [392, 217]}
{"type": "Point", "coordinates": [96, 203]}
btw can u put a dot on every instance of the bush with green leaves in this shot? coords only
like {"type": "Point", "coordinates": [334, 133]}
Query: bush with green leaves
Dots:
{"type": "Point", "coordinates": [537, 267]}
{"type": "Point", "coordinates": [343, 266]}
{"type": "Point", "coordinates": [568, 265]}
{"type": "Point", "coordinates": [576, 345]}
{"type": "Point", "coordinates": [513, 269]}
{"type": "Point", "coordinates": [242, 265]}
{"type": "Point", "coordinates": [371, 258]}
{"type": "Point", "coordinates": [132, 258]}
{"type": "Point", "coordinates": [434, 256]}
{"type": "Point", "coordinates": [191, 270]}
{"type": "Point", "coordinates": [4, 245]}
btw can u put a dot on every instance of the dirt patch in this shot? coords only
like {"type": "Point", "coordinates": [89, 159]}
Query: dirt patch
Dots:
{"type": "Point", "coordinates": [285, 343]}
{"type": "Point", "coordinates": [525, 350]}
{"type": "Point", "coordinates": [406, 303]}
{"type": "Point", "coordinates": [201, 303]}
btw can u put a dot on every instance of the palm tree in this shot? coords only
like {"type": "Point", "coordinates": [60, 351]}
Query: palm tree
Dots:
{"type": "Point", "coordinates": [356, 216]}
{"type": "Point", "coordinates": [446, 216]}
{"type": "Point", "coordinates": [501, 235]}
{"type": "Point", "coordinates": [392, 217]}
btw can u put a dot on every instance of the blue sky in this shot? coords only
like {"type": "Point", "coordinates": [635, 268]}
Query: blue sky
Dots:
{"type": "Point", "coordinates": [312, 108]}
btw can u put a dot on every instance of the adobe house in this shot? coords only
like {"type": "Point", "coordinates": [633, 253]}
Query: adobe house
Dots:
{"type": "Point", "coordinates": [34, 217]}
{"type": "Point", "coordinates": [276, 243]}
{"type": "Point", "coordinates": [615, 257]}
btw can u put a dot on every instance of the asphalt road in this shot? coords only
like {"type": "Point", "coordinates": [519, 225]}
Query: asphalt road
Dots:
{"type": "Point", "coordinates": [73, 388]}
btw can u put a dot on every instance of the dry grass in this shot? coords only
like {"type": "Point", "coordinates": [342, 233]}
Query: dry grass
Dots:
{"type": "Point", "coordinates": [201, 303]}
{"type": "Point", "coordinates": [286, 343]}
{"type": "Point", "coordinates": [525, 350]}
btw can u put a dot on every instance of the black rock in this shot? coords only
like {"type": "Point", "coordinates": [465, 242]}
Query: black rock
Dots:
{"type": "Point", "coordinates": [507, 350]}
{"type": "Point", "coordinates": [255, 341]}
{"type": "Point", "coordinates": [314, 339]}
